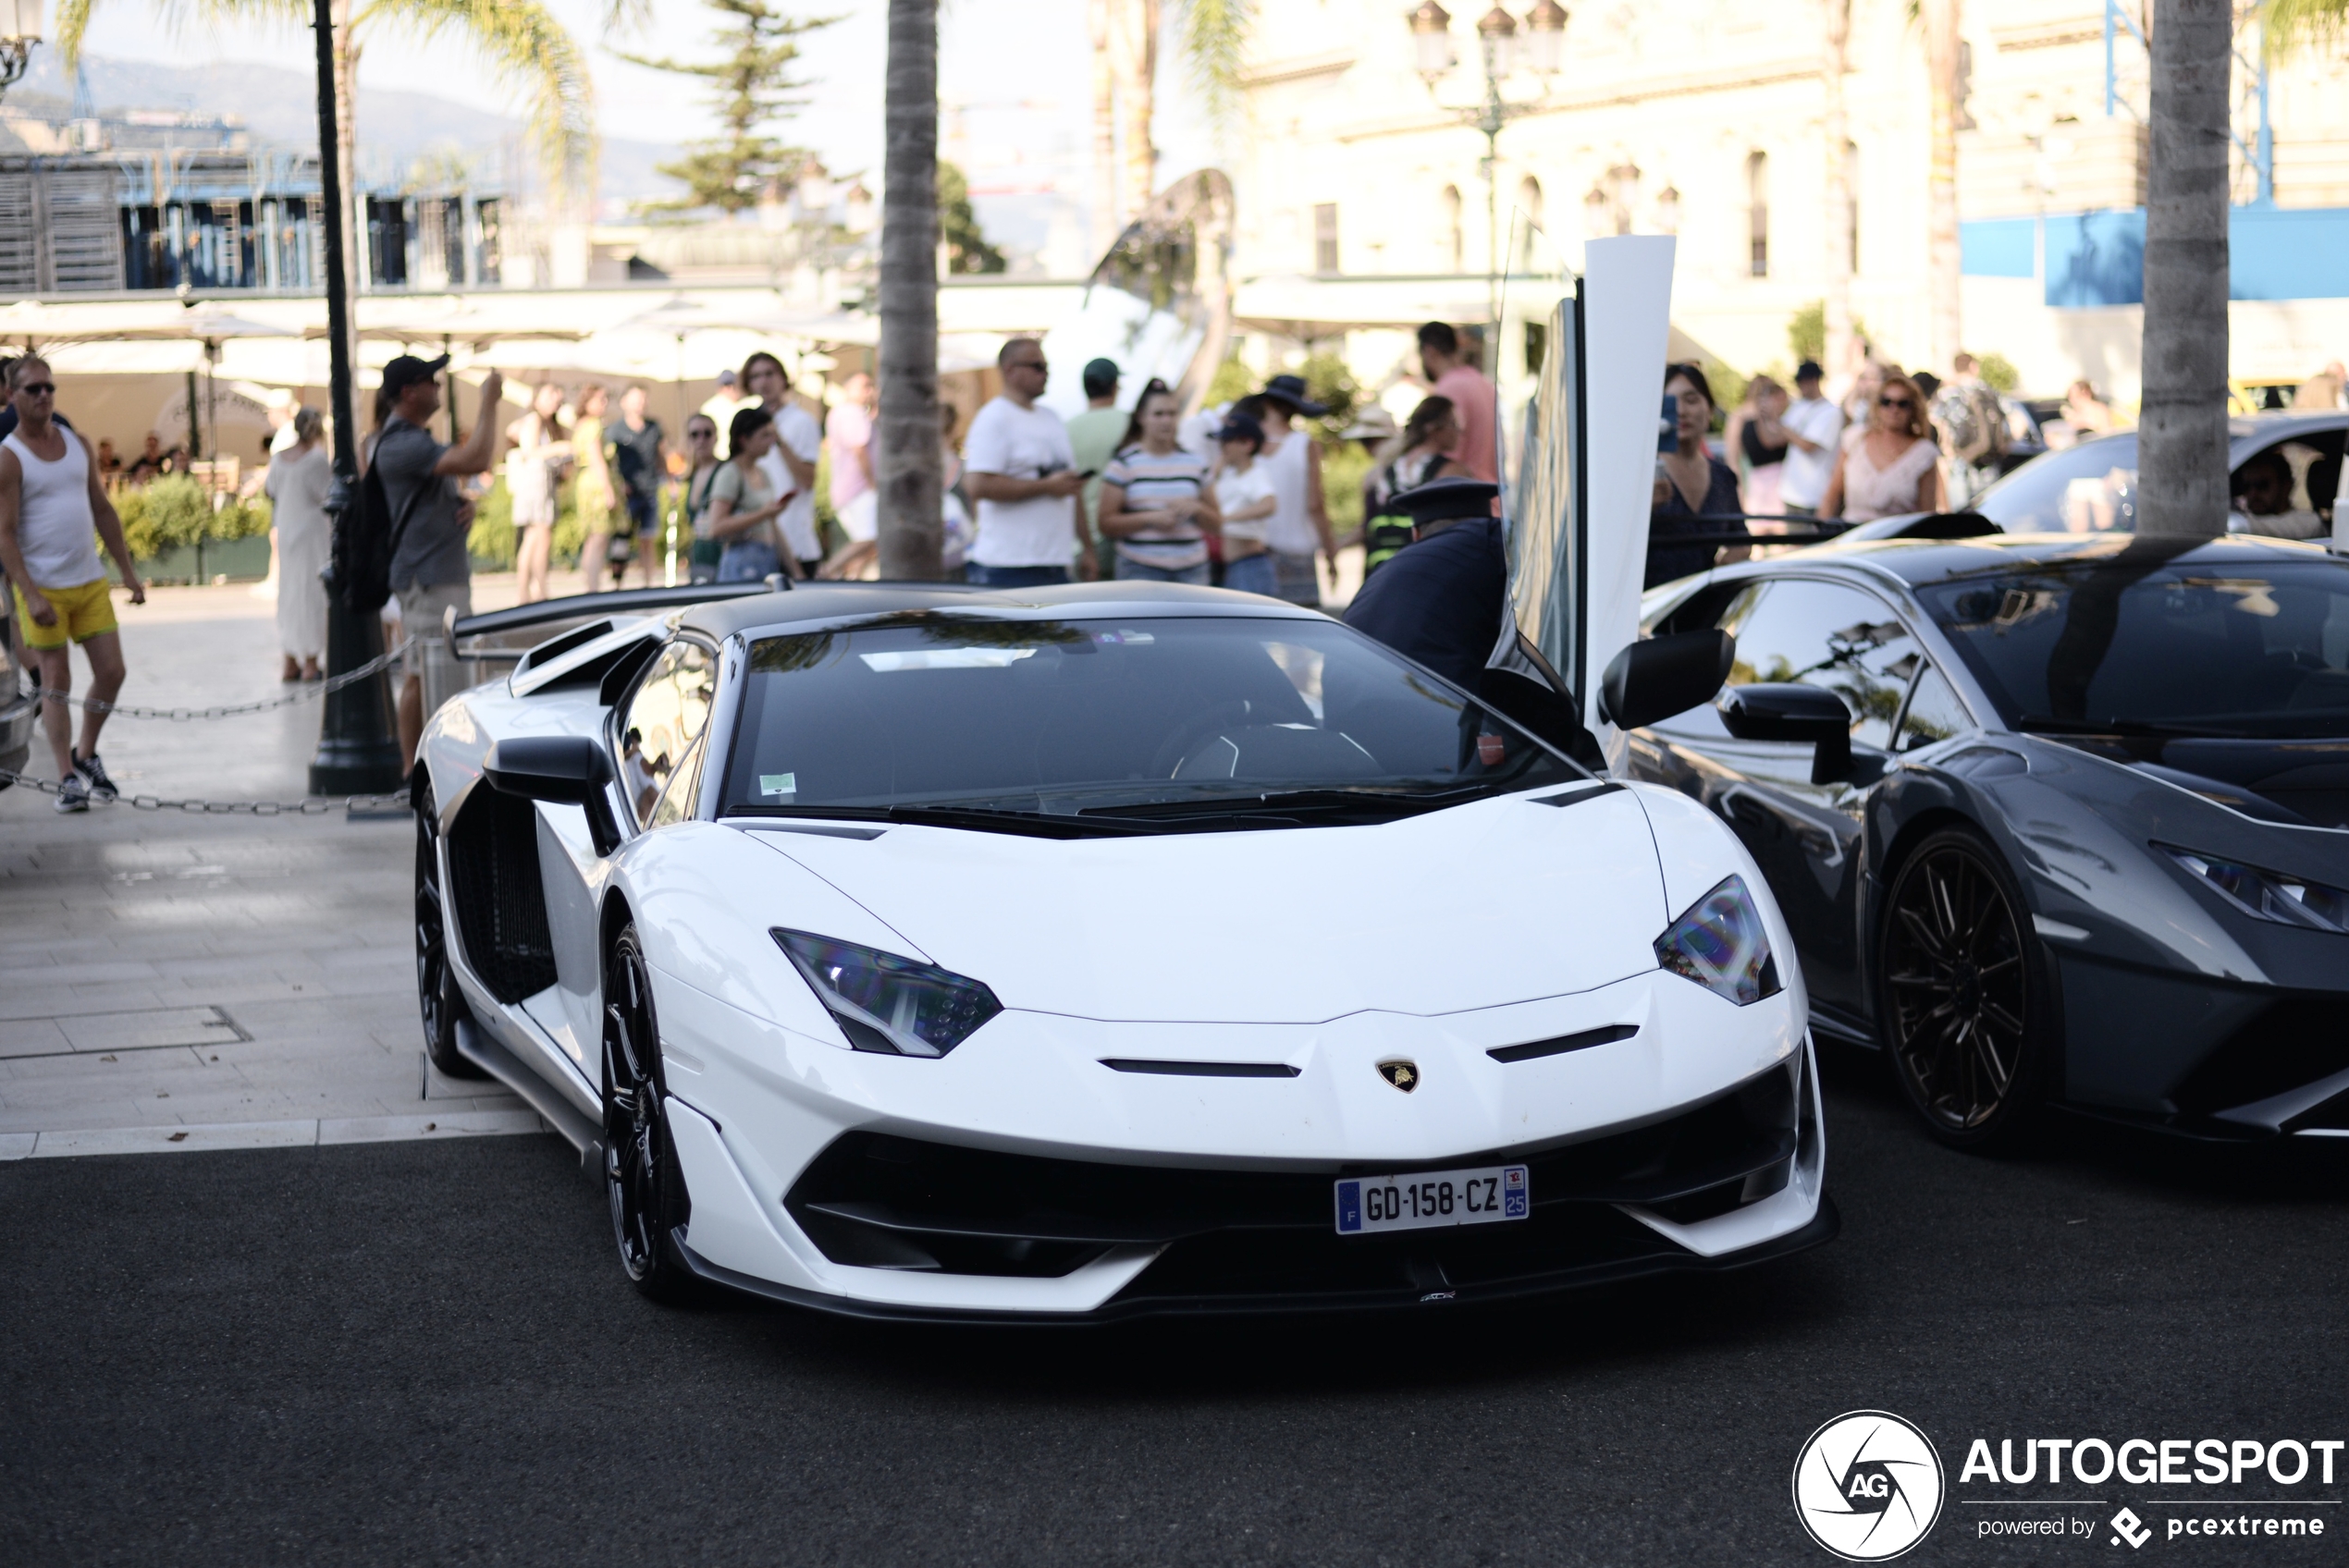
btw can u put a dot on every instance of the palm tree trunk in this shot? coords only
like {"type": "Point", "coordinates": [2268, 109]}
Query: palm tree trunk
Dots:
{"type": "Point", "coordinates": [1137, 77]}
{"type": "Point", "coordinates": [1835, 129]}
{"type": "Point", "coordinates": [2181, 440]}
{"type": "Point", "coordinates": [1942, 268]}
{"type": "Point", "coordinates": [1101, 24]}
{"type": "Point", "coordinates": [907, 467]}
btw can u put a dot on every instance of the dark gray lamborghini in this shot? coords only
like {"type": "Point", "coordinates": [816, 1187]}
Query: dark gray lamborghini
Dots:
{"type": "Point", "coordinates": [2055, 819]}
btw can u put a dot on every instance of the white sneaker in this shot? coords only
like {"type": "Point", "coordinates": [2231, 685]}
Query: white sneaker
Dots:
{"type": "Point", "coordinates": [73, 794]}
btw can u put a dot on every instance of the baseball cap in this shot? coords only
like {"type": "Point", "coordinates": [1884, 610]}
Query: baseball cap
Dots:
{"type": "Point", "coordinates": [1807, 371]}
{"type": "Point", "coordinates": [406, 371]}
{"type": "Point", "coordinates": [725, 378]}
{"type": "Point", "coordinates": [1372, 424]}
{"type": "Point", "coordinates": [1101, 377]}
{"type": "Point", "coordinates": [1241, 427]}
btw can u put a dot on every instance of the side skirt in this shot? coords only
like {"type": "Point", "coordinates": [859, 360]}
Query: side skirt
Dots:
{"type": "Point", "coordinates": [485, 1052]}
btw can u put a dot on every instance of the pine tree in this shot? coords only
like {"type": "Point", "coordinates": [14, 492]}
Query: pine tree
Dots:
{"type": "Point", "coordinates": [967, 249]}
{"type": "Point", "coordinates": [751, 88]}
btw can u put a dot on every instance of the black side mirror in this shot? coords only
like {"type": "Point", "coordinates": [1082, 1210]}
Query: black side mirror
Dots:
{"type": "Point", "coordinates": [1805, 715]}
{"type": "Point", "coordinates": [1662, 676]}
{"type": "Point", "coordinates": [567, 770]}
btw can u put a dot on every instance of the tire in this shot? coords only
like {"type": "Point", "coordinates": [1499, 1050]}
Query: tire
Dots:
{"type": "Point", "coordinates": [645, 1183]}
{"type": "Point", "coordinates": [438, 1000]}
{"type": "Point", "coordinates": [1963, 997]}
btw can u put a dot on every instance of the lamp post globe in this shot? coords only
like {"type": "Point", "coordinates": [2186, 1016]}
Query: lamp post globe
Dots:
{"type": "Point", "coordinates": [1496, 37]}
{"type": "Point", "coordinates": [1431, 41]}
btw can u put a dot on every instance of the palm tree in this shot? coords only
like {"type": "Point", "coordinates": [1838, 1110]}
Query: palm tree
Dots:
{"type": "Point", "coordinates": [1942, 259]}
{"type": "Point", "coordinates": [526, 48]}
{"type": "Point", "coordinates": [2181, 441]}
{"type": "Point", "coordinates": [907, 467]}
{"type": "Point", "coordinates": [1836, 128]}
{"type": "Point", "coordinates": [1125, 35]}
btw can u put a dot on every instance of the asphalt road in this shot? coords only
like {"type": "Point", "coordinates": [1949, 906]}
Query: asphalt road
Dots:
{"type": "Point", "coordinates": [422, 1352]}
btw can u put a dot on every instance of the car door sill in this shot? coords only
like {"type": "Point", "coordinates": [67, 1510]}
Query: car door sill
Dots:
{"type": "Point", "coordinates": [478, 1046]}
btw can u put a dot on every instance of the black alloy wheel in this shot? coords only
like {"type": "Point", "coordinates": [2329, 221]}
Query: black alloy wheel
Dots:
{"type": "Point", "coordinates": [1963, 998]}
{"type": "Point", "coordinates": [440, 1003]}
{"type": "Point", "coordinates": [641, 1171]}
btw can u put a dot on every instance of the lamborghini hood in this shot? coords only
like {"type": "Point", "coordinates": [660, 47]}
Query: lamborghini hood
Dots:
{"type": "Point", "coordinates": [1483, 904]}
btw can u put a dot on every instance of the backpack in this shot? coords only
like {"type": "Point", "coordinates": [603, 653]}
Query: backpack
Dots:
{"type": "Point", "coordinates": [1974, 423]}
{"type": "Point", "coordinates": [359, 572]}
{"type": "Point", "coordinates": [1385, 534]}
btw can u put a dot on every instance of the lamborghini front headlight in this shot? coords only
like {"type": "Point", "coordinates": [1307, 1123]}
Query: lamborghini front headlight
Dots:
{"type": "Point", "coordinates": [887, 1004]}
{"type": "Point", "coordinates": [1721, 945]}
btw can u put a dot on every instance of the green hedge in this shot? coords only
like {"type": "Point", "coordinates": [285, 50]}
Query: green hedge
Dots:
{"type": "Point", "coordinates": [174, 513]}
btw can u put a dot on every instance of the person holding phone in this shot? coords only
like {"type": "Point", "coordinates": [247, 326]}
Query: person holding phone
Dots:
{"type": "Point", "coordinates": [744, 506]}
{"type": "Point", "coordinates": [1020, 470]}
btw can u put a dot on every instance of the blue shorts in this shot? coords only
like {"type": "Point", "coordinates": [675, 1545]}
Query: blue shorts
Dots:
{"type": "Point", "coordinates": [1251, 574]}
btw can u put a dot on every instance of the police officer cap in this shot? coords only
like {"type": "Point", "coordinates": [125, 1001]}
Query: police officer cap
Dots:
{"type": "Point", "coordinates": [1446, 501]}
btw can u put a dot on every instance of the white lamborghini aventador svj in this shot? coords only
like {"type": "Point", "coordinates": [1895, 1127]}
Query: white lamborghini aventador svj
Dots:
{"type": "Point", "coordinates": [1075, 952]}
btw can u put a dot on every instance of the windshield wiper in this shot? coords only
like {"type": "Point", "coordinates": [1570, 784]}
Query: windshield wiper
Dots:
{"type": "Point", "coordinates": [2039, 724]}
{"type": "Point", "coordinates": [1291, 804]}
{"type": "Point", "coordinates": [984, 819]}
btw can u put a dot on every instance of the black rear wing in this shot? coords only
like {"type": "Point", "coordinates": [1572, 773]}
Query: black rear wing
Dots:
{"type": "Point", "coordinates": [493, 642]}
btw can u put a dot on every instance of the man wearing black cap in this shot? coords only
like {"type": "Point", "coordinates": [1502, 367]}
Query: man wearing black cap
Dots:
{"type": "Point", "coordinates": [1813, 424]}
{"type": "Point", "coordinates": [1293, 460]}
{"type": "Point", "coordinates": [1442, 600]}
{"type": "Point", "coordinates": [429, 568]}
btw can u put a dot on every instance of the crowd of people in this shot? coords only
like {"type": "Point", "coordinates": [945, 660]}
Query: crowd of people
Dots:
{"type": "Point", "coordinates": [1234, 496]}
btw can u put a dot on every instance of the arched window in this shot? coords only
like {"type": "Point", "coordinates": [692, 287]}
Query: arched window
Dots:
{"type": "Point", "coordinates": [1529, 207]}
{"type": "Point", "coordinates": [1757, 213]}
{"type": "Point", "coordinates": [1452, 224]}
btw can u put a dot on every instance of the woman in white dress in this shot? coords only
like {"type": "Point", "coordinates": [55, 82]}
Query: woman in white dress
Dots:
{"type": "Point", "coordinates": [1890, 465]}
{"type": "Point", "coordinates": [533, 474]}
{"type": "Point", "coordinates": [299, 479]}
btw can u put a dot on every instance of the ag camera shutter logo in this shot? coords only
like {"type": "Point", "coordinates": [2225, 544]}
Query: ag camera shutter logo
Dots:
{"type": "Point", "coordinates": [1868, 1486]}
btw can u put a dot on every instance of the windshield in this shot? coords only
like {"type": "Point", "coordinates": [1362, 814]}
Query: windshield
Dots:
{"type": "Point", "coordinates": [2140, 639]}
{"type": "Point", "coordinates": [1144, 719]}
{"type": "Point", "coordinates": [2091, 488]}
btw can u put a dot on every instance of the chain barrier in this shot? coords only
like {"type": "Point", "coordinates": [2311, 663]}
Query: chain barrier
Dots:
{"type": "Point", "coordinates": [234, 710]}
{"type": "Point", "coordinates": [312, 805]}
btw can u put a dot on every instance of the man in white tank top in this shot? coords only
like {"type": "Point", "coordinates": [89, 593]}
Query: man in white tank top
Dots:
{"type": "Point", "coordinates": [52, 504]}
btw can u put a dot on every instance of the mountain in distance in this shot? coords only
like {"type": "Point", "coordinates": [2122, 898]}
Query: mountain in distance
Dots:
{"type": "Point", "coordinates": [279, 108]}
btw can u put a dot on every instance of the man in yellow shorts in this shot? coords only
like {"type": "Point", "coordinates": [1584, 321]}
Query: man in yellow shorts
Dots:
{"type": "Point", "coordinates": [52, 509]}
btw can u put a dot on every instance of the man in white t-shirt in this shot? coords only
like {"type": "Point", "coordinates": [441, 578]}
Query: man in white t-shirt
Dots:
{"type": "Point", "coordinates": [1812, 424]}
{"type": "Point", "coordinates": [1018, 467]}
{"type": "Point", "coordinates": [790, 463]}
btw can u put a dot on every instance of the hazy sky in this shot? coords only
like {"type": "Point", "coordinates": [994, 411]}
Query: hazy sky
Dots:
{"type": "Point", "coordinates": [1021, 67]}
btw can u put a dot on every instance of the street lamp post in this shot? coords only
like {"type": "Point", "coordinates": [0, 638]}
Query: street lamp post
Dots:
{"type": "Point", "coordinates": [357, 752]}
{"type": "Point", "coordinates": [1504, 50]}
{"type": "Point", "coordinates": [19, 30]}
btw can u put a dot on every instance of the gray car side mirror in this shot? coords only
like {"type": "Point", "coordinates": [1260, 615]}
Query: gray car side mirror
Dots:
{"type": "Point", "coordinates": [1658, 677]}
{"type": "Point", "coordinates": [569, 770]}
{"type": "Point", "coordinates": [1805, 715]}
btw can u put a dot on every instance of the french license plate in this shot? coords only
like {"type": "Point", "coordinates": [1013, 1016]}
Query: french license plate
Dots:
{"type": "Point", "coordinates": [1371, 1204]}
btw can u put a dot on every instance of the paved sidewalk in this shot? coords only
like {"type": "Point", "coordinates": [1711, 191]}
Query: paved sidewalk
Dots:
{"type": "Point", "coordinates": [175, 982]}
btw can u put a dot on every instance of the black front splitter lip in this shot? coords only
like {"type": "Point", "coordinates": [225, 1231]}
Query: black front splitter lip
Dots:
{"type": "Point", "coordinates": [1822, 1229]}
